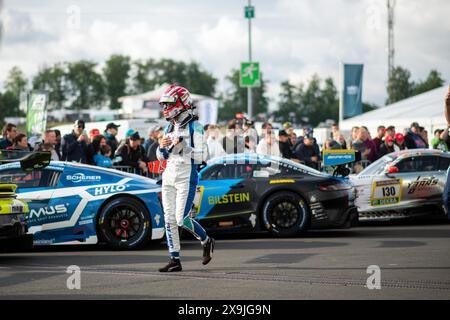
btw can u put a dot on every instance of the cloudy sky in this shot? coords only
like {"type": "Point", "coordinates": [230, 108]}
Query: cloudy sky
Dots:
{"type": "Point", "coordinates": [291, 39]}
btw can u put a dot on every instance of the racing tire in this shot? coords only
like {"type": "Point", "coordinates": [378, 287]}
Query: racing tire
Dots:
{"type": "Point", "coordinates": [285, 214]}
{"type": "Point", "coordinates": [124, 224]}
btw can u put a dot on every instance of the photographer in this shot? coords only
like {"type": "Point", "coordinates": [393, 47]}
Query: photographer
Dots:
{"type": "Point", "coordinates": [75, 144]}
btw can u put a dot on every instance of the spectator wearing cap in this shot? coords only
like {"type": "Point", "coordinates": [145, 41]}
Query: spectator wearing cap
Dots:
{"type": "Point", "coordinates": [388, 146]}
{"type": "Point", "coordinates": [285, 146]}
{"type": "Point", "coordinates": [400, 141]}
{"type": "Point", "coordinates": [110, 135]}
{"type": "Point", "coordinates": [413, 139]}
{"type": "Point", "coordinates": [250, 131]}
{"type": "Point", "coordinates": [153, 134]}
{"type": "Point", "coordinates": [133, 154]}
{"type": "Point", "coordinates": [378, 140]}
{"type": "Point", "coordinates": [215, 148]}
{"type": "Point", "coordinates": [269, 146]}
{"type": "Point", "coordinates": [308, 153]}
{"type": "Point", "coordinates": [9, 133]}
{"type": "Point", "coordinates": [75, 144]}
{"type": "Point", "coordinates": [93, 133]}
{"type": "Point", "coordinates": [439, 140]}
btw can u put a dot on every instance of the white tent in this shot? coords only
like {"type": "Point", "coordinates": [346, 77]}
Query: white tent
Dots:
{"type": "Point", "coordinates": [145, 105]}
{"type": "Point", "coordinates": [427, 109]}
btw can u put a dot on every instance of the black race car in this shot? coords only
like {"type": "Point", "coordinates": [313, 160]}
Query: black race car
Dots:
{"type": "Point", "coordinates": [255, 193]}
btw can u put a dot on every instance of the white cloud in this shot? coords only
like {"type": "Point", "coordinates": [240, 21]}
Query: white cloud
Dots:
{"type": "Point", "coordinates": [291, 39]}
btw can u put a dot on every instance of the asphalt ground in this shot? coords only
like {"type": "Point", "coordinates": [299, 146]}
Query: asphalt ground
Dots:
{"type": "Point", "coordinates": [413, 259]}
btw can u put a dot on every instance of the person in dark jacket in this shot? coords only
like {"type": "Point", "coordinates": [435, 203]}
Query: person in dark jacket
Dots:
{"type": "Point", "coordinates": [413, 139]}
{"type": "Point", "coordinates": [74, 146]}
{"type": "Point", "coordinates": [9, 133]}
{"type": "Point", "coordinates": [308, 153]}
{"type": "Point", "coordinates": [388, 146]}
{"type": "Point", "coordinates": [94, 148]}
{"type": "Point", "coordinates": [285, 145]}
{"type": "Point", "coordinates": [110, 135]}
{"type": "Point", "coordinates": [133, 154]}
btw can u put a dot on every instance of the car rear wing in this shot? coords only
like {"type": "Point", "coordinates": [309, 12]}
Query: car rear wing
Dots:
{"type": "Point", "coordinates": [339, 159]}
{"type": "Point", "coordinates": [29, 161]}
{"type": "Point", "coordinates": [7, 190]}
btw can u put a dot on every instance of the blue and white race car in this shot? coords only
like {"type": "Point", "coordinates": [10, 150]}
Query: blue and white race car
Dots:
{"type": "Point", "coordinates": [80, 204]}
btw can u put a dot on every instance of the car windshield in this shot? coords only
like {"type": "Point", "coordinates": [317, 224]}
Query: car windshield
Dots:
{"type": "Point", "coordinates": [378, 166]}
{"type": "Point", "coordinates": [298, 167]}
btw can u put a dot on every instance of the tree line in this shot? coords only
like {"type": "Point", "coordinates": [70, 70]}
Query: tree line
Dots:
{"type": "Point", "coordinates": [85, 84]}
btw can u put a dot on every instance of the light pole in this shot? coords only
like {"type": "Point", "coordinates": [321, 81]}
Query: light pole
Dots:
{"type": "Point", "coordinates": [249, 89]}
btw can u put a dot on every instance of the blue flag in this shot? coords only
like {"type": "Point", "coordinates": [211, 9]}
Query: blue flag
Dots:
{"type": "Point", "coordinates": [352, 90]}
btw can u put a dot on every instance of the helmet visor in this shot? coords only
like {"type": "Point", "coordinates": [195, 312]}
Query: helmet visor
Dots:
{"type": "Point", "coordinates": [166, 99]}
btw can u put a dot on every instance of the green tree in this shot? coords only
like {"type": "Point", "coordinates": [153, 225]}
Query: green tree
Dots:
{"type": "Point", "coordinates": [235, 100]}
{"type": "Point", "coordinates": [316, 102]}
{"type": "Point", "coordinates": [86, 87]}
{"type": "Point", "coordinates": [9, 106]}
{"type": "Point", "coordinates": [369, 107]}
{"type": "Point", "coordinates": [16, 82]}
{"type": "Point", "coordinates": [54, 80]}
{"type": "Point", "coordinates": [399, 85]}
{"type": "Point", "coordinates": [116, 73]}
{"type": "Point", "coordinates": [288, 103]}
{"type": "Point", "coordinates": [433, 81]}
{"type": "Point", "coordinates": [150, 73]}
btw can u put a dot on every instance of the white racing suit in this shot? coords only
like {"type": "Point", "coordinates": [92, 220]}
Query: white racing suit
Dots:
{"type": "Point", "coordinates": [179, 181]}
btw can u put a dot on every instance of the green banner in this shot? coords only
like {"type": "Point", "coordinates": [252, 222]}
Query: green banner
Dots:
{"type": "Point", "coordinates": [36, 113]}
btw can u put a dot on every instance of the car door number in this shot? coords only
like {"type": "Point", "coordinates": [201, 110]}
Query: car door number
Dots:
{"type": "Point", "coordinates": [386, 192]}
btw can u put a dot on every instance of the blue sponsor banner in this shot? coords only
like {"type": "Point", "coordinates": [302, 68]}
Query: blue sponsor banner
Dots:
{"type": "Point", "coordinates": [338, 157]}
{"type": "Point", "coordinates": [352, 90]}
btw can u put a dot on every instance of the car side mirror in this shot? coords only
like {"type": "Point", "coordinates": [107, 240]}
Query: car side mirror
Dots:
{"type": "Point", "coordinates": [393, 169]}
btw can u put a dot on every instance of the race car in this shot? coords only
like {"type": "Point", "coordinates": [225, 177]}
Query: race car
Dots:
{"type": "Point", "coordinates": [13, 227]}
{"type": "Point", "coordinates": [249, 192]}
{"type": "Point", "coordinates": [402, 184]}
{"type": "Point", "coordinates": [81, 204]}
{"type": "Point", "coordinates": [14, 234]}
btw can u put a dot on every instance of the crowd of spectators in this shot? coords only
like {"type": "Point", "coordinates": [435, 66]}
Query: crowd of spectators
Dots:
{"type": "Point", "coordinates": [238, 136]}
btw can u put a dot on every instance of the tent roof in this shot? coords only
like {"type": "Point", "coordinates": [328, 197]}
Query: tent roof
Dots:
{"type": "Point", "coordinates": [155, 94]}
{"type": "Point", "coordinates": [427, 107]}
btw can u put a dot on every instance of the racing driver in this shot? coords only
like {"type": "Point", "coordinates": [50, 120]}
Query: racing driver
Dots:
{"type": "Point", "coordinates": [184, 147]}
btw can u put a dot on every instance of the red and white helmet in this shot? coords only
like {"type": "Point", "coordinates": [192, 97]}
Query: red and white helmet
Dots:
{"type": "Point", "coordinates": [174, 101]}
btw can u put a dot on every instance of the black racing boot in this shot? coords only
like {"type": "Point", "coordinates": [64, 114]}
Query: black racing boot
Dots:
{"type": "Point", "coordinates": [208, 250]}
{"type": "Point", "coordinates": [174, 265]}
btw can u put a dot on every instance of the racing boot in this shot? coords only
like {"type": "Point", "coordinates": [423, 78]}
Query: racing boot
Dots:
{"type": "Point", "coordinates": [174, 265]}
{"type": "Point", "coordinates": [208, 249]}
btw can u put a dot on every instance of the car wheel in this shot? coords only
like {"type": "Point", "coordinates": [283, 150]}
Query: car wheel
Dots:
{"type": "Point", "coordinates": [124, 223]}
{"type": "Point", "coordinates": [285, 214]}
